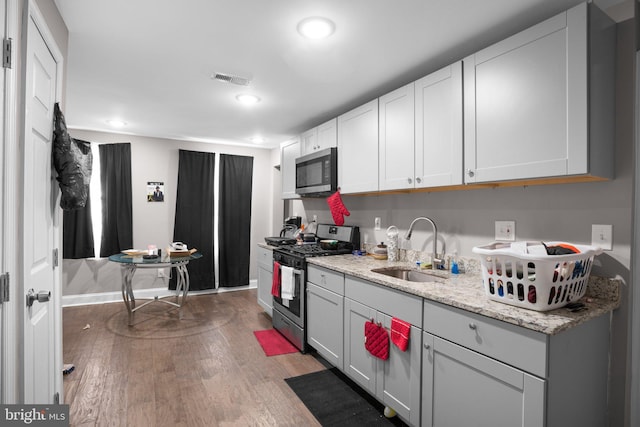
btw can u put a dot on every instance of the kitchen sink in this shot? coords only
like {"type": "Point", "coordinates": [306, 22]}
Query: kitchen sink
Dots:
{"type": "Point", "coordinates": [410, 275]}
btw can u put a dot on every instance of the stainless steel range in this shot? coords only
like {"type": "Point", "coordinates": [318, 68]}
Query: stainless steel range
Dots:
{"type": "Point", "coordinates": [289, 315]}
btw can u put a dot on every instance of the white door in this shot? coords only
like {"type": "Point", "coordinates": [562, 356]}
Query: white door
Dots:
{"type": "Point", "coordinates": [3, 267]}
{"type": "Point", "coordinates": [39, 238]}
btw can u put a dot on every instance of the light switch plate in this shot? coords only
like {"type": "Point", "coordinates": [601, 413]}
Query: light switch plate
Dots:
{"type": "Point", "coordinates": [506, 230]}
{"type": "Point", "coordinates": [377, 223]}
{"type": "Point", "coordinates": [602, 235]}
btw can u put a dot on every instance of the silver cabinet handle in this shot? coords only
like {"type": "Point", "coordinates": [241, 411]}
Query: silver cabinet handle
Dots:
{"type": "Point", "coordinates": [418, 180]}
{"type": "Point", "coordinates": [470, 173]}
{"type": "Point", "coordinates": [42, 296]}
{"type": "Point", "coordinates": [409, 180]}
{"type": "Point", "coordinates": [427, 346]}
{"type": "Point", "coordinates": [472, 326]}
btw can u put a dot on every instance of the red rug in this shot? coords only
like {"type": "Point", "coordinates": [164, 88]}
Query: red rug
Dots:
{"type": "Point", "coordinates": [273, 343]}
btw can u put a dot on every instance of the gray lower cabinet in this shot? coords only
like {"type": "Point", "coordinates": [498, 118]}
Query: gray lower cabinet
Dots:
{"type": "Point", "coordinates": [463, 388]}
{"type": "Point", "coordinates": [483, 372]}
{"type": "Point", "coordinates": [395, 381]}
{"type": "Point", "coordinates": [265, 274]}
{"type": "Point", "coordinates": [325, 310]}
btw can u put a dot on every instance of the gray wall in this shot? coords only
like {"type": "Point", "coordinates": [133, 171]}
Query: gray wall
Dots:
{"type": "Point", "coordinates": [155, 159]}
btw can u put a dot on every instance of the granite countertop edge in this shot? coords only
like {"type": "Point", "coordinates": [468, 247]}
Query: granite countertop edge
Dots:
{"type": "Point", "coordinates": [466, 292]}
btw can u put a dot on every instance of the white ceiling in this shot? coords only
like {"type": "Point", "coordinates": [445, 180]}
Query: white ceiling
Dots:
{"type": "Point", "coordinates": [149, 62]}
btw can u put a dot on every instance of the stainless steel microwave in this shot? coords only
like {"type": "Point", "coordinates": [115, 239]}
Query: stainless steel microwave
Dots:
{"type": "Point", "coordinates": [317, 173]}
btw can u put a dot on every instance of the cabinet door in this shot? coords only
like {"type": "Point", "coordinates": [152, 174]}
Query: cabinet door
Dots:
{"type": "Point", "coordinates": [328, 135]}
{"type": "Point", "coordinates": [463, 388]}
{"type": "Point", "coordinates": [358, 149]}
{"type": "Point", "coordinates": [325, 311]}
{"type": "Point", "coordinates": [438, 128]}
{"type": "Point", "coordinates": [289, 152]}
{"type": "Point", "coordinates": [396, 133]}
{"type": "Point", "coordinates": [264, 263]}
{"type": "Point", "coordinates": [398, 382]}
{"type": "Point", "coordinates": [265, 298]}
{"type": "Point", "coordinates": [359, 364]}
{"type": "Point", "coordinates": [526, 103]}
{"type": "Point", "coordinates": [309, 141]}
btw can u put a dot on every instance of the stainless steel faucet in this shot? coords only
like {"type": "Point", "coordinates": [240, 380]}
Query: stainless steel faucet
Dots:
{"type": "Point", "coordinates": [435, 261]}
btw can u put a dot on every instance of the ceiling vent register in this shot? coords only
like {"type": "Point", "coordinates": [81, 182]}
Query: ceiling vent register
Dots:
{"type": "Point", "coordinates": [229, 78]}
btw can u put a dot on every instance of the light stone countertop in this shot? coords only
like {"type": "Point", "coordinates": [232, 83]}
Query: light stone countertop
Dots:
{"type": "Point", "coordinates": [466, 291]}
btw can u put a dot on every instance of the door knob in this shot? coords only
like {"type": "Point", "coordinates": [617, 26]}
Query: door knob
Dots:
{"type": "Point", "coordinates": [42, 296]}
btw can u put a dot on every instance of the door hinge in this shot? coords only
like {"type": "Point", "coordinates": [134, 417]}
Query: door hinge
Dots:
{"type": "Point", "coordinates": [55, 257]}
{"type": "Point", "coordinates": [6, 53]}
{"type": "Point", "coordinates": [4, 287]}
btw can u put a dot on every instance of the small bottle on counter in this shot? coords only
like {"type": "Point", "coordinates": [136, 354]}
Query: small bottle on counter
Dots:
{"type": "Point", "coordinates": [454, 263]}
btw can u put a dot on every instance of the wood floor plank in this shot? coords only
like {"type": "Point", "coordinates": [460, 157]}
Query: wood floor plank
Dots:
{"type": "Point", "coordinates": [204, 370]}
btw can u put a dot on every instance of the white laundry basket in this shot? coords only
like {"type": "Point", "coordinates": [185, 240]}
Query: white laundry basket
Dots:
{"type": "Point", "coordinates": [523, 275]}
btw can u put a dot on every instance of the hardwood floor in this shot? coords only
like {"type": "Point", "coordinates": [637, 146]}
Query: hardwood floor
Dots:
{"type": "Point", "coordinates": [204, 370]}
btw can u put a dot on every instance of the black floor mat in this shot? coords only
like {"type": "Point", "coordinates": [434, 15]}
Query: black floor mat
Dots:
{"type": "Point", "coordinates": [335, 400]}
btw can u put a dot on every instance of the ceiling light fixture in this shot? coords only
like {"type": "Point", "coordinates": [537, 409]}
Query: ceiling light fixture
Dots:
{"type": "Point", "coordinates": [116, 123]}
{"type": "Point", "coordinates": [247, 99]}
{"type": "Point", "coordinates": [316, 27]}
{"type": "Point", "coordinates": [257, 139]}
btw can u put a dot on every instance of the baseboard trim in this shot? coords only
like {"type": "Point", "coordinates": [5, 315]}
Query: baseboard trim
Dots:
{"type": "Point", "coordinates": [109, 297]}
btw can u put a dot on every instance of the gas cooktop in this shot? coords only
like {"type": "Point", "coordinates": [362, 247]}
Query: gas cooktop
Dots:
{"type": "Point", "coordinates": [314, 249]}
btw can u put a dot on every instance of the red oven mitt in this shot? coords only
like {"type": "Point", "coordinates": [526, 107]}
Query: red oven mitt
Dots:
{"type": "Point", "coordinates": [376, 340]}
{"type": "Point", "coordinates": [338, 209]}
{"type": "Point", "coordinates": [400, 331]}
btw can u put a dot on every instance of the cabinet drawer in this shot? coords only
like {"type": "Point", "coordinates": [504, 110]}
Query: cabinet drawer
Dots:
{"type": "Point", "coordinates": [265, 258]}
{"type": "Point", "coordinates": [389, 301]}
{"type": "Point", "coordinates": [327, 279]}
{"type": "Point", "coordinates": [516, 346]}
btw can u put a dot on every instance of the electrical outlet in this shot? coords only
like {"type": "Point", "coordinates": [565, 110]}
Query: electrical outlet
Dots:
{"type": "Point", "coordinates": [506, 230]}
{"type": "Point", "coordinates": [315, 219]}
{"type": "Point", "coordinates": [602, 235]}
{"type": "Point", "coordinates": [376, 223]}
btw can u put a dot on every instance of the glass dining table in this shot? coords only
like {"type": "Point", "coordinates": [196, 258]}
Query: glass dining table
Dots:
{"type": "Point", "coordinates": [130, 263]}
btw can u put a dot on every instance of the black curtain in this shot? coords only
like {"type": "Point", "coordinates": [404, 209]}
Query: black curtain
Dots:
{"type": "Point", "coordinates": [195, 215]}
{"type": "Point", "coordinates": [234, 222]}
{"type": "Point", "coordinates": [115, 182]}
{"type": "Point", "coordinates": [77, 232]}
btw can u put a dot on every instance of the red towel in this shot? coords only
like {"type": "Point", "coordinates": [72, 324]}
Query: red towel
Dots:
{"type": "Point", "coordinates": [275, 281]}
{"type": "Point", "coordinates": [400, 331]}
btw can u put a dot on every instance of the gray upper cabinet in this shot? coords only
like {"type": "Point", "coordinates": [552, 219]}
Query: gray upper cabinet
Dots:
{"type": "Point", "coordinates": [358, 149]}
{"type": "Point", "coordinates": [421, 132]}
{"type": "Point", "coordinates": [541, 103]}
{"type": "Point", "coordinates": [289, 151]}
{"type": "Point", "coordinates": [396, 133]}
{"type": "Point", "coordinates": [320, 137]}
{"type": "Point", "coordinates": [438, 128]}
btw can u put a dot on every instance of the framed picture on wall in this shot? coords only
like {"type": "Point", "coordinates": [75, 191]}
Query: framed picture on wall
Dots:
{"type": "Point", "coordinates": [155, 191]}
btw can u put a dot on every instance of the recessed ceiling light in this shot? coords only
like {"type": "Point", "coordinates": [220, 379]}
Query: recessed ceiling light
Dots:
{"type": "Point", "coordinates": [257, 139]}
{"type": "Point", "coordinates": [248, 99]}
{"type": "Point", "coordinates": [316, 27]}
{"type": "Point", "coordinates": [116, 123]}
